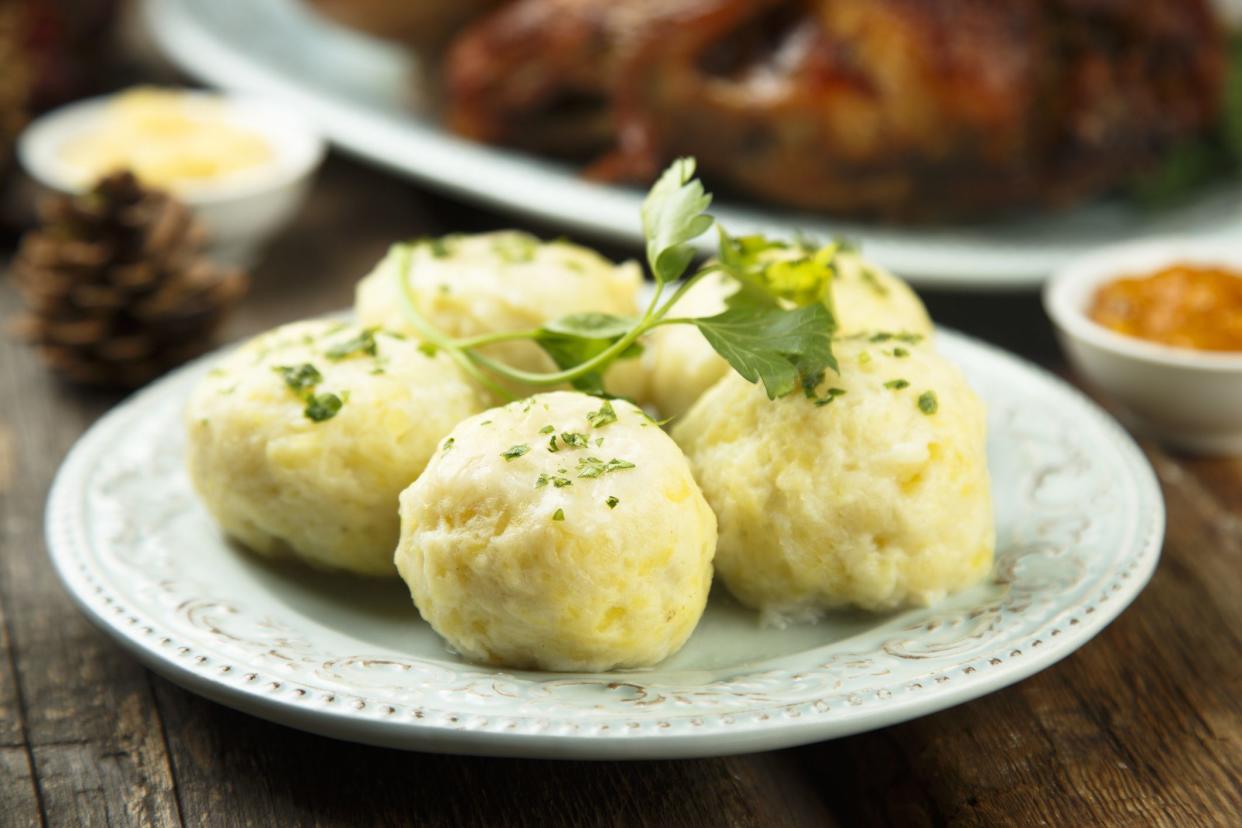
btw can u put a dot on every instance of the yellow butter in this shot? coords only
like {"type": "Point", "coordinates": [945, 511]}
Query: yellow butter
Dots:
{"type": "Point", "coordinates": [169, 139]}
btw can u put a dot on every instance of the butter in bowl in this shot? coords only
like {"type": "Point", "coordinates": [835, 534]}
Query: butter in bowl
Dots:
{"type": "Point", "coordinates": [243, 165]}
{"type": "Point", "coordinates": [1157, 327]}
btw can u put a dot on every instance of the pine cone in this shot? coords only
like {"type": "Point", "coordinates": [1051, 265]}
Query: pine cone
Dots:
{"type": "Point", "coordinates": [117, 288]}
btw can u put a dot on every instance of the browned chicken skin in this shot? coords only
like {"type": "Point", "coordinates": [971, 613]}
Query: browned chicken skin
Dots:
{"type": "Point", "coordinates": [891, 108]}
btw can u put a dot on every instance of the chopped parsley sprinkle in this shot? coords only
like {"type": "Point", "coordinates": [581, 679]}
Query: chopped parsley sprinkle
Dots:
{"type": "Point", "coordinates": [320, 407]}
{"type": "Point", "coordinates": [829, 395]}
{"type": "Point", "coordinates": [928, 403]}
{"type": "Point", "coordinates": [907, 338]}
{"type": "Point", "coordinates": [558, 482]}
{"type": "Point", "coordinates": [900, 352]}
{"type": "Point", "coordinates": [300, 377]}
{"type": "Point", "coordinates": [438, 247]}
{"type": "Point", "coordinates": [599, 441]}
{"type": "Point", "coordinates": [363, 343]}
{"type": "Point", "coordinates": [547, 429]}
{"type": "Point", "coordinates": [612, 502]}
{"type": "Point", "coordinates": [897, 384]}
{"type": "Point", "coordinates": [605, 415]}
{"type": "Point", "coordinates": [514, 452]}
{"type": "Point", "coordinates": [594, 467]}
{"type": "Point", "coordinates": [873, 281]}
{"type": "Point", "coordinates": [559, 514]}
{"type": "Point", "coordinates": [552, 446]}
{"type": "Point", "coordinates": [516, 248]}
{"type": "Point", "coordinates": [573, 439]}
{"type": "Point", "coordinates": [448, 444]}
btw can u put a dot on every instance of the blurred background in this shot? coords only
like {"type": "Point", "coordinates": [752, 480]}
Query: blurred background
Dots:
{"type": "Point", "coordinates": [974, 149]}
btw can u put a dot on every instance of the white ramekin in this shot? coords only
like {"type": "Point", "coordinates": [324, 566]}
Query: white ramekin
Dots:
{"type": "Point", "coordinates": [241, 213]}
{"type": "Point", "coordinates": [1187, 398]}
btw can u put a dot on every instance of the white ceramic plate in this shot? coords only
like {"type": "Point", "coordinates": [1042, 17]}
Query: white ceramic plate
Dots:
{"type": "Point", "coordinates": [1080, 521]}
{"type": "Point", "coordinates": [367, 98]}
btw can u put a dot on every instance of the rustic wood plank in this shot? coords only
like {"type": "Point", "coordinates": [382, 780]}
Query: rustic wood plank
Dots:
{"type": "Point", "coordinates": [90, 725]}
{"type": "Point", "coordinates": [234, 770]}
{"type": "Point", "coordinates": [19, 795]}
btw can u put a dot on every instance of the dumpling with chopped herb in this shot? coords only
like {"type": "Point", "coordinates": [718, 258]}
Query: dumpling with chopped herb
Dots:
{"type": "Point", "coordinates": [472, 285]}
{"type": "Point", "coordinates": [680, 365]}
{"type": "Point", "coordinates": [559, 532]}
{"type": "Point", "coordinates": [872, 494]}
{"type": "Point", "coordinates": [301, 440]}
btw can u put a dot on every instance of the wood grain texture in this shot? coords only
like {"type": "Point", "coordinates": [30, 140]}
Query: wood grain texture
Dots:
{"type": "Point", "coordinates": [1143, 726]}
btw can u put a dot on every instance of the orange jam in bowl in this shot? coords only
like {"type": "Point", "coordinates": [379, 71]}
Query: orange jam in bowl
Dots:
{"type": "Point", "coordinates": [1186, 306]}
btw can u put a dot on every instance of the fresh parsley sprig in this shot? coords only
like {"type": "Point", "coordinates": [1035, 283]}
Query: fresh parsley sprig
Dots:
{"type": "Point", "coordinates": [777, 327]}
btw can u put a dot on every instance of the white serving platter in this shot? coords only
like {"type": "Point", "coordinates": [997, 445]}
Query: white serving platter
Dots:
{"type": "Point", "coordinates": [372, 100]}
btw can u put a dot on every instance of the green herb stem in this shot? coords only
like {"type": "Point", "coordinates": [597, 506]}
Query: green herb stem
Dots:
{"type": "Point", "coordinates": [430, 333]}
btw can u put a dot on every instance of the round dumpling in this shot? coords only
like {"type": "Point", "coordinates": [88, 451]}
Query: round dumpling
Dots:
{"type": "Point", "coordinates": [680, 365]}
{"type": "Point", "coordinates": [560, 532]}
{"type": "Point", "coordinates": [469, 285]}
{"type": "Point", "coordinates": [301, 440]}
{"type": "Point", "coordinates": [875, 494]}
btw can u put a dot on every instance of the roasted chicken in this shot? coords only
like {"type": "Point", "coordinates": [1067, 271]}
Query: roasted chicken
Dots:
{"type": "Point", "coordinates": [926, 109]}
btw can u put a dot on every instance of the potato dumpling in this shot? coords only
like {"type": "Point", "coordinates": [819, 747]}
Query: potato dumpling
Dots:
{"type": "Point", "coordinates": [875, 494]}
{"type": "Point", "coordinates": [680, 365]}
{"type": "Point", "coordinates": [301, 440]}
{"type": "Point", "coordinates": [559, 532]}
{"type": "Point", "coordinates": [468, 285]}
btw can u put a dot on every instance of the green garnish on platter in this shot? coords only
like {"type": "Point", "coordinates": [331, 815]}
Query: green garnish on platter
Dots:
{"type": "Point", "coordinates": [514, 452]}
{"type": "Point", "coordinates": [928, 403]}
{"type": "Point", "coordinates": [612, 502]}
{"type": "Point", "coordinates": [559, 514]}
{"type": "Point", "coordinates": [301, 380]}
{"type": "Point", "coordinates": [776, 329]}
{"type": "Point", "coordinates": [591, 467]}
{"type": "Point", "coordinates": [897, 384]}
{"type": "Point", "coordinates": [300, 377]}
{"type": "Point", "coordinates": [601, 418]}
{"type": "Point", "coordinates": [320, 407]}
{"type": "Point", "coordinates": [363, 343]}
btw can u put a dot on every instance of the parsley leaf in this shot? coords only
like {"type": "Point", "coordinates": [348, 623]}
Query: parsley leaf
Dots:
{"type": "Point", "coordinates": [612, 502]}
{"type": "Point", "coordinates": [300, 377]}
{"type": "Point", "coordinates": [559, 514]}
{"type": "Point", "coordinates": [897, 384]}
{"type": "Point", "coordinates": [770, 271]}
{"type": "Point", "coordinates": [573, 439]}
{"type": "Point", "coordinates": [591, 467]}
{"type": "Point", "coordinates": [363, 343]}
{"type": "Point", "coordinates": [601, 418]}
{"type": "Point", "coordinates": [785, 349]}
{"type": "Point", "coordinates": [674, 214]}
{"type": "Point", "coordinates": [928, 403]}
{"type": "Point", "coordinates": [514, 452]}
{"type": "Point", "coordinates": [577, 338]}
{"type": "Point", "coordinates": [320, 407]}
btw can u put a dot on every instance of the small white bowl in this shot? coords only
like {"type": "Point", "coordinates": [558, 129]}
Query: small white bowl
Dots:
{"type": "Point", "coordinates": [241, 212]}
{"type": "Point", "coordinates": [1188, 398]}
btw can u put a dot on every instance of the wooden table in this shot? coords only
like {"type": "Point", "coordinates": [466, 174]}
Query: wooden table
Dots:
{"type": "Point", "coordinates": [1143, 726]}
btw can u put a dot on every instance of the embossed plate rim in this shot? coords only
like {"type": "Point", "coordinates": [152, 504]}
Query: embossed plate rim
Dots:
{"type": "Point", "coordinates": [358, 717]}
